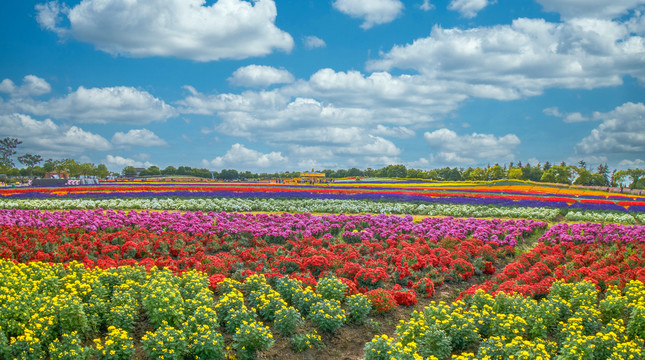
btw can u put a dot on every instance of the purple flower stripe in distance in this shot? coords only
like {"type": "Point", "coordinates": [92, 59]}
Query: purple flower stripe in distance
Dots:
{"type": "Point", "coordinates": [597, 207]}
{"type": "Point", "coordinates": [637, 209]}
{"type": "Point", "coordinates": [284, 226]}
{"type": "Point", "coordinates": [293, 195]}
{"type": "Point", "coordinates": [592, 232]}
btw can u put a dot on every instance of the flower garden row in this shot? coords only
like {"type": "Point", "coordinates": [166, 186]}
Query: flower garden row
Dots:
{"type": "Point", "coordinates": [518, 195]}
{"type": "Point", "coordinates": [340, 265]}
{"type": "Point", "coordinates": [325, 206]}
{"type": "Point", "coordinates": [51, 310]}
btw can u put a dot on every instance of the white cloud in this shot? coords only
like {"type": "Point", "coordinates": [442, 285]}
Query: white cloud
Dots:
{"type": "Point", "coordinates": [468, 8]}
{"type": "Point", "coordinates": [630, 164]}
{"type": "Point", "coordinates": [568, 117]}
{"type": "Point", "coordinates": [138, 137]}
{"type": "Point", "coordinates": [575, 117]}
{"type": "Point", "coordinates": [590, 8]}
{"type": "Point", "coordinates": [119, 162]}
{"type": "Point", "coordinates": [553, 111]}
{"type": "Point", "coordinates": [31, 86]}
{"type": "Point", "coordinates": [622, 131]}
{"type": "Point", "coordinates": [454, 148]}
{"type": "Point", "coordinates": [398, 132]}
{"type": "Point", "coordinates": [426, 5]}
{"type": "Point", "coordinates": [260, 76]}
{"type": "Point", "coordinates": [241, 157]}
{"type": "Point", "coordinates": [48, 138]}
{"type": "Point", "coordinates": [119, 104]}
{"type": "Point", "coordinates": [313, 42]}
{"type": "Point", "coordinates": [522, 59]}
{"type": "Point", "coordinates": [373, 12]}
{"type": "Point", "coordinates": [227, 29]}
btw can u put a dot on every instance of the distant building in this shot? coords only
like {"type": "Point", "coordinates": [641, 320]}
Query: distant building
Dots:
{"type": "Point", "coordinates": [57, 175]}
{"type": "Point", "coordinates": [312, 177]}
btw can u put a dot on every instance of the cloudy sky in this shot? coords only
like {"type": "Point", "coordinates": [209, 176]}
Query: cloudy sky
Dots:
{"type": "Point", "coordinates": [273, 85]}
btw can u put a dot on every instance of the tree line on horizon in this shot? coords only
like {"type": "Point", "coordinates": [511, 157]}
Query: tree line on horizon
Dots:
{"type": "Point", "coordinates": [579, 174]}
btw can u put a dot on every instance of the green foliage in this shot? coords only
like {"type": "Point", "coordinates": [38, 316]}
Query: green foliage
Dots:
{"type": "Point", "coordinates": [250, 338]}
{"type": "Point", "coordinates": [434, 342]}
{"type": "Point", "coordinates": [166, 343]}
{"type": "Point", "coordinates": [302, 342]}
{"type": "Point", "coordinates": [358, 306]}
{"type": "Point", "coordinates": [331, 288]}
{"type": "Point", "coordinates": [204, 343]}
{"type": "Point", "coordinates": [68, 348]}
{"type": "Point", "coordinates": [287, 320]}
{"type": "Point", "coordinates": [118, 345]}
{"type": "Point", "coordinates": [327, 315]}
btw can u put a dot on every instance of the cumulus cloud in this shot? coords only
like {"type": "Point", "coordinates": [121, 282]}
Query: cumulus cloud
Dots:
{"type": "Point", "coordinates": [590, 8]}
{"type": "Point", "coordinates": [568, 117]}
{"type": "Point", "coordinates": [373, 12]}
{"type": "Point", "coordinates": [630, 164]}
{"type": "Point", "coordinates": [524, 58]}
{"type": "Point", "coordinates": [31, 86]}
{"type": "Point", "coordinates": [48, 138]}
{"type": "Point", "coordinates": [188, 29]}
{"type": "Point", "coordinates": [119, 104]}
{"type": "Point", "coordinates": [119, 162]}
{"type": "Point", "coordinates": [313, 42]}
{"type": "Point", "coordinates": [260, 76]}
{"type": "Point", "coordinates": [426, 5]}
{"type": "Point", "coordinates": [468, 8]}
{"type": "Point", "coordinates": [137, 137]}
{"type": "Point", "coordinates": [241, 157]}
{"type": "Point", "coordinates": [622, 131]}
{"type": "Point", "coordinates": [397, 132]}
{"type": "Point", "coordinates": [465, 149]}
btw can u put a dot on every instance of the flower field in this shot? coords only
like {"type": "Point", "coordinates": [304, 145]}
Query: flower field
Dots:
{"type": "Point", "coordinates": [84, 276]}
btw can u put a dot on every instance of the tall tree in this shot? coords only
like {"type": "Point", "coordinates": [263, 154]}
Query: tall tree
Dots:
{"type": "Point", "coordinates": [7, 151]}
{"type": "Point", "coordinates": [30, 161]}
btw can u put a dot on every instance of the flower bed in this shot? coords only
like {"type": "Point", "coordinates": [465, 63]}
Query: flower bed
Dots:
{"type": "Point", "coordinates": [573, 322]}
{"type": "Point", "coordinates": [367, 252]}
{"type": "Point", "coordinates": [605, 255]}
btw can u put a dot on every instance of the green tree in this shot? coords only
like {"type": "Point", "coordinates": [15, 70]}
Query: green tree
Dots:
{"type": "Point", "coordinates": [515, 173]}
{"type": "Point", "coordinates": [129, 171]}
{"type": "Point", "coordinates": [584, 177]}
{"type": "Point", "coordinates": [495, 173]}
{"type": "Point", "coordinates": [153, 171]}
{"type": "Point", "coordinates": [603, 173]}
{"type": "Point", "coordinates": [169, 170]}
{"type": "Point", "coordinates": [395, 171]}
{"type": "Point", "coordinates": [30, 161]}
{"type": "Point", "coordinates": [557, 174]}
{"type": "Point", "coordinates": [7, 151]}
{"type": "Point", "coordinates": [101, 171]}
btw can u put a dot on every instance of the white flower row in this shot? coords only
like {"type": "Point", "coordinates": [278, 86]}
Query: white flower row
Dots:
{"type": "Point", "coordinates": [285, 205]}
{"type": "Point", "coordinates": [600, 217]}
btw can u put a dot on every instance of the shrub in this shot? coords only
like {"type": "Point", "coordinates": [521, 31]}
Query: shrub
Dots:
{"type": "Point", "coordinates": [327, 315]}
{"type": "Point", "coordinates": [68, 348]}
{"type": "Point", "coordinates": [382, 301]}
{"type": "Point", "coordinates": [359, 306]}
{"type": "Point", "coordinates": [331, 288]}
{"type": "Point", "coordinates": [204, 343]}
{"type": "Point", "coordinates": [166, 343]}
{"type": "Point", "coordinates": [118, 345]}
{"type": "Point", "coordinates": [250, 338]}
{"type": "Point", "coordinates": [302, 342]}
{"type": "Point", "coordinates": [287, 320]}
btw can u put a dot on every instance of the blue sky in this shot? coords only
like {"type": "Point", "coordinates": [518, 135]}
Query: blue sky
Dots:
{"type": "Point", "coordinates": [273, 85]}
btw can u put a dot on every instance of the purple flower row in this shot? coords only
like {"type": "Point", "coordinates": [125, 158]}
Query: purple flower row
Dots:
{"type": "Point", "coordinates": [372, 196]}
{"type": "Point", "coordinates": [592, 232]}
{"type": "Point", "coordinates": [282, 227]}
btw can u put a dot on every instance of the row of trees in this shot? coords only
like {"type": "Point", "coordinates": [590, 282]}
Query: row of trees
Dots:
{"type": "Point", "coordinates": [579, 174]}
